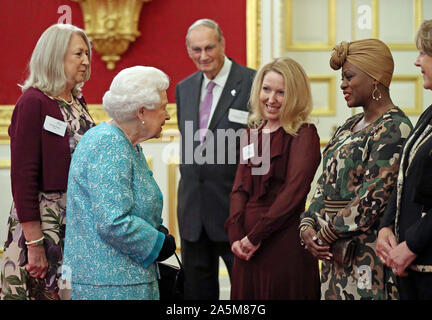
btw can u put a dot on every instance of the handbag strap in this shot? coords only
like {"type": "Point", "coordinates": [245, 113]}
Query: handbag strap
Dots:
{"type": "Point", "coordinates": [178, 260]}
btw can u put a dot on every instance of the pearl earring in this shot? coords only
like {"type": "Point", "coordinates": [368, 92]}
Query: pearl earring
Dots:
{"type": "Point", "coordinates": [143, 122]}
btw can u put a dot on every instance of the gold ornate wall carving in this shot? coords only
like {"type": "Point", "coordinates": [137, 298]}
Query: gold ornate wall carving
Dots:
{"type": "Point", "coordinates": [112, 25]}
{"type": "Point", "coordinates": [170, 130]}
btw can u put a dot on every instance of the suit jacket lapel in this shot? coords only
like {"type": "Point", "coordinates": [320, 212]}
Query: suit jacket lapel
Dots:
{"type": "Point", "coordinates": [424, 120]}
{"type": "Point", "coordinates": [192, 111]}
{"type": "Point", "coordinates": [227, 98]}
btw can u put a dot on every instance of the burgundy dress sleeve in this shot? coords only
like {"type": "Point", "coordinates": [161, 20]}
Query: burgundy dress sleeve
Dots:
{"type": "Point", "coordinates": [303, 159]}
{"type": "Point", "coordinates": [238, 200]}
{"type": "Point", "coordinates": [25, 134]}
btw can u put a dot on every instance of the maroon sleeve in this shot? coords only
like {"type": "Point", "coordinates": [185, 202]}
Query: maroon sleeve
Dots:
{"type": "Point", "coordinates": [25, 134]}
{"type": "Point", "coordinates": [304, 158]}
{"type": "Point", "coordinates": [238, 200]}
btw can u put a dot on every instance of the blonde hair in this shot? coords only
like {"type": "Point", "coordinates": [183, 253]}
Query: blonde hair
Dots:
{"type": "Point", "coordinates": [47, 70]}
{"type": "Point", "coordinates": [424, 37]}
{"type": "Point", "coordinates": [297, 104]}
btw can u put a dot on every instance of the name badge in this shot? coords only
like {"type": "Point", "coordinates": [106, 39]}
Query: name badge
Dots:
{"type": "Point", "coordinates": [248, 152]}
{"type": "Point", "coordinates": [55, 126]}
{"type": "Point", "coordinates": [239, 116]}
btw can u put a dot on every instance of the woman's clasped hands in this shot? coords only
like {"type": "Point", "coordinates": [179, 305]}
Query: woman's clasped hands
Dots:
{"type": "Point", "coordinates": [317, 247]}
{"type": "Point", "coordinates": [396, 256]}
{"type": "Point", "coordinates": [244, 249]}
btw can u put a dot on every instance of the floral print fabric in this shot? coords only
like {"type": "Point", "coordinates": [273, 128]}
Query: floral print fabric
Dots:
{"type": "Point", "coordinates": [16, 283]}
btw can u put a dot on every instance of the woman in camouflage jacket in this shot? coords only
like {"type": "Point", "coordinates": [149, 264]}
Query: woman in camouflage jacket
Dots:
{"type": "Point", "coordinates": [360, 165]}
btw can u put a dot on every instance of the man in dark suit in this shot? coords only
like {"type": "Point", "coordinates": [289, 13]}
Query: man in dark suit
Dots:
{"type": "Point", "coordinates": [212, 107]}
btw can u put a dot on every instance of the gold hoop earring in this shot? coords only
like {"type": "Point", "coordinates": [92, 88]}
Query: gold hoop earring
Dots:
{"type": "Point", "coordinates": [379, 93]}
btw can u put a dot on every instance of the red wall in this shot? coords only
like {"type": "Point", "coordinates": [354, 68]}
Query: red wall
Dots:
{"type": "Point", "coordinates": [163, 25]}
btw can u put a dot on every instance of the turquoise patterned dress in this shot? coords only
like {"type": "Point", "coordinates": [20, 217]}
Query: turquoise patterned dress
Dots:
{"type": "Point", "coordinates": [114, 210]}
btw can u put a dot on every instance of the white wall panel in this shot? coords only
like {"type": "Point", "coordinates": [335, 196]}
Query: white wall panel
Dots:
{"type": "Point", "coordinates": [309, 21]}
{"type": "Point", "coordinates": [303, 29]}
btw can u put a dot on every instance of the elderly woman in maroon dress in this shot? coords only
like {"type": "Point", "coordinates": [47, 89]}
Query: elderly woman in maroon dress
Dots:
{"type": "Point", "coordinates": [48, 121]}
{"type": "Point", "coordinates": [266, 206]}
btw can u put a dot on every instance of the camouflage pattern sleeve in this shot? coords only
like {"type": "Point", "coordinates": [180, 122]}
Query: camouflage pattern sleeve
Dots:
{"type": "Point", "coordinates": [316, 207]}
{"type": "Point", "coordinates": [371, 179]}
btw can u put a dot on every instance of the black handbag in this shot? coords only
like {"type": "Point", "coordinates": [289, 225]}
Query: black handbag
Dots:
{"type": "Point", "coordinates": [171, 281]}
{"type": "Point", "coordinates": [343, 251]}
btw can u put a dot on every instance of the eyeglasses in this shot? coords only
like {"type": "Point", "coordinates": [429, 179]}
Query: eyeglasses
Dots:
{"type": "Point", "coordinates": [197, 51]}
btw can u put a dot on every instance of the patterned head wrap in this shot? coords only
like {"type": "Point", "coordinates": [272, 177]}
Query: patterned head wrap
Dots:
{"type": "Point", "coordinates": [372, 56]}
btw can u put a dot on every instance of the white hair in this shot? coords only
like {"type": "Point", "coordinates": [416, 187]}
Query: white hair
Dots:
{"type": "Point", "coordinates": [133, 88]}
{"type": "Point", "coordinates": [211, 24]}
{"type": "Point", "coordinates": [47, 69]}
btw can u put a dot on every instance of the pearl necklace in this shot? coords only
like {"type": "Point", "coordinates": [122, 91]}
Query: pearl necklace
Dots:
{"type": "Point", "coordinates": [68, 103]}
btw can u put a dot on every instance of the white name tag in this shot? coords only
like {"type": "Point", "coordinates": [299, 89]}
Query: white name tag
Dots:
{"type": "Point", "coordinates": [55, 126]}
{"type": "Point", "coordinates": [248, 152]}
{"type": "Point", "coordinates": [238, 116]}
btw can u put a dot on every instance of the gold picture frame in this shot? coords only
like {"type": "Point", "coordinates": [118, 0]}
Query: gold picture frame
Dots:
{"type": "Point", "coordinates": [418, 19]}
{"type": "Point", "coordinates": [300, 46]}
{"type": "Point", "coordinates": [172, 167]}
{"type": "Point", "coordinates": [253, 33]}
{"type": "Point", "coordinates": [417, 109]}
{"type": "Point", "coordinates": [5, 164]}
{"type": "Point", "coordinates": [5, 117]}
{"type": "Point", "coordinates": [330, 109]}
{"type": "Point", "coordinates": [418, 94]}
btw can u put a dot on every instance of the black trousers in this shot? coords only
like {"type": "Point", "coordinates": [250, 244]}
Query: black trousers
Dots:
{"type": "Point", "coordinates": [416, 286]}
{"type": "Point", "coordinates": [201, 266]}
